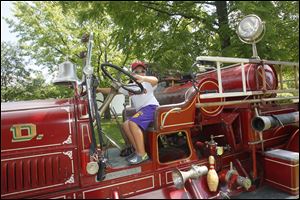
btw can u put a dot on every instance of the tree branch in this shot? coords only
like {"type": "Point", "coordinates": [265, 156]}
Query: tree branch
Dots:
{"type": "Point", "coordinates": [61, 52]}
{"type": "Point", "coordinates": [173, 13]}
{"type": "Point", "coordinates": [205, 2]}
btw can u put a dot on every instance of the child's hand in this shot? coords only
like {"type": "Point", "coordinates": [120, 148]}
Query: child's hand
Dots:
{"type": "Point", "coordinates": [139, 78]}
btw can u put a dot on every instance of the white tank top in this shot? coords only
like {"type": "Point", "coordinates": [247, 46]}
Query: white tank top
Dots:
{"type": "Point", "coordinates": [141, 100]}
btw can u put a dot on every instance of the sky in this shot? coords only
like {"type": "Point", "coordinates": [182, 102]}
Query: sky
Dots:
{"type": "Point", "coordinates": [6, 12]}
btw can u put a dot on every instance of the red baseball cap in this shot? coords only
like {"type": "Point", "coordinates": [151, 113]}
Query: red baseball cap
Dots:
{"type": "Point", "coordinates": [138, 64]}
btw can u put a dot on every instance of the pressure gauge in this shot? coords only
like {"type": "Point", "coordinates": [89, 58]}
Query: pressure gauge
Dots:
{"type": "Point", "coordinates": [92, 168]}
{"type": "Point", "coordinates": [250, 29]}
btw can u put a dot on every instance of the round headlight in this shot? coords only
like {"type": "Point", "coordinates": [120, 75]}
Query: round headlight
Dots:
{"type": "Point", "coordinates": [250, 29]}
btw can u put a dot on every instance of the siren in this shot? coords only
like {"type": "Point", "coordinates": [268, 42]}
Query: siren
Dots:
{"type": "Point", "coordinates": [180, 177]}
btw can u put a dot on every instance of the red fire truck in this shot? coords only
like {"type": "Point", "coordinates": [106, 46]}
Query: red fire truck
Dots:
{"type": "Point", "coordinates": [224, 132]}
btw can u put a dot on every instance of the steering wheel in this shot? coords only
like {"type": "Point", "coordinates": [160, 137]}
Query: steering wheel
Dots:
{"type": "Point", "coordinates": [128, 87]}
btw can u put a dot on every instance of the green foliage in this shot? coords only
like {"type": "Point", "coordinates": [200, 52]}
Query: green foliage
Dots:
{"type": "Point", "coordinates": [282, 28]}
{"type": "Point", "coordinates": [20, 83]}
{"type": "Point", "coordinates": [111, 129]}
{"type": "Point", "coordinates": [13, 73]}
{"type": "Point", "coordinates": [38, 89]}
{"type": "Point", "coordinates": [158, 33]}
{"type": "Point", "coordinates": [47, 35]}
{"type": "Point", "coordinates": [167, 34]}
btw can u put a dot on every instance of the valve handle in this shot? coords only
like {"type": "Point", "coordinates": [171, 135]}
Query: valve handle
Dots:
{"type": "Point", "coordinates": [217, 136]}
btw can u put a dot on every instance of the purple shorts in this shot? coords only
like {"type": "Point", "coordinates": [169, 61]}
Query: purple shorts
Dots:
{"type": "Point", "coordinates": [144, 116]}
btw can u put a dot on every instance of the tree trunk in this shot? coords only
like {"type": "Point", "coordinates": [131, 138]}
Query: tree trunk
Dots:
{"type": "Point", "coordinates": [224, 31]}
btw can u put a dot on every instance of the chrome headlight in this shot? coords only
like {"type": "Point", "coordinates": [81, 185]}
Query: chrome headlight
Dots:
{"type": "Point", "coordinates": [250, 29]}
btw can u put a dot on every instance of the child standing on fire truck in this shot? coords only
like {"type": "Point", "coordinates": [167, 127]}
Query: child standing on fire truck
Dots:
{"type": "Point", "coordinates": [145, 105]}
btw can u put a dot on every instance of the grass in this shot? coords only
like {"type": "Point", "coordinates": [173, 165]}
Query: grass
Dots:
{"type": "Point", "coordinates": [112, 130]}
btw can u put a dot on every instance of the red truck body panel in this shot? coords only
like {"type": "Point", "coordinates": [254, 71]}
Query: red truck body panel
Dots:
{"type": "Point", "coordinates": [38, 148]}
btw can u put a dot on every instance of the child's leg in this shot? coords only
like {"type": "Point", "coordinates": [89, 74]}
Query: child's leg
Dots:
{"type": "Point", "coordinates": [138, 138]}
{"type": "Point", "coordinates": [128, 133]}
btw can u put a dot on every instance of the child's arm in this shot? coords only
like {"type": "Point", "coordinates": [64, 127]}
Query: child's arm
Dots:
{"type": "Point", "coordinates": [108, 90]}
{"type": "Point", "coordinates": [150, 79]}
{"type": "Point", "coordinates": [103, 90]}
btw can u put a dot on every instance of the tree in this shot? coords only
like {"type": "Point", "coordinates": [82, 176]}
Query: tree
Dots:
{"type": "Point", "coordinates": [13, 72]}
{"type": "Point", "coordinates": [166, 34]}
{"type": "Point", "coordinates": [21, 83]}
{"type": "Point", "coordinates": [173, 33]}
{"type": "Point", "coordinates": [281, 18]}
{"type": "Point", "coordinates": [51, 34]}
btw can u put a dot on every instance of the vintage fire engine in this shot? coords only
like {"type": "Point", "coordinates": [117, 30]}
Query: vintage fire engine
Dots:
{"type": "Point", "coordinates": [222, 133]}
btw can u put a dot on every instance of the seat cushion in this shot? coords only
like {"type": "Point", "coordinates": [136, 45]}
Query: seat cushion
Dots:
{"type": "Point", "coordinates": [171, 98]}
{"type": "Point", "coordinates": [281, 170]}
{"type": "Point", "coordinates": [283, 154]}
